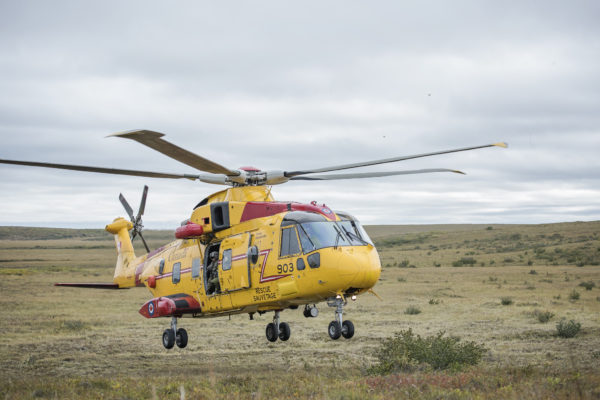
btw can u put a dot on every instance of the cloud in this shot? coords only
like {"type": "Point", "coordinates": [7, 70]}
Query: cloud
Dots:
{"type": "Point", "coordinates": [304, 85]}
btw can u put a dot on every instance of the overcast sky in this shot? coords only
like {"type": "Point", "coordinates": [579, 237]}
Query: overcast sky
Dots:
{"type": "Point", "coordinates": [293, 85]}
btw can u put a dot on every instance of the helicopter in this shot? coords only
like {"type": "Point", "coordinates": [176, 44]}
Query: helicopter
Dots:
{"type": "Point", "coordinates": [243, 252]}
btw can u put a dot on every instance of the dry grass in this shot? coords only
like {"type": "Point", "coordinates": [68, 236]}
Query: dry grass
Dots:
{"type": "Point", "coordinates": [72, 343]}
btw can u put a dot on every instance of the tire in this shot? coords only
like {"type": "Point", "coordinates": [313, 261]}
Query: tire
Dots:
{"type": "Point", "coordinates": [347, 329]}
{"type": "Point", "coordinates": [271, 334]}
{"type": "Point", "coordinates": [181, 338]}
{"type": "Point", "coordinates": [306, 313]}
{"type": "Point", "coordinates": [168, 338]}
{"type": "Point", "coordinates": [284, 331]}
{"type": "Point", "coordinates": [334, 330]}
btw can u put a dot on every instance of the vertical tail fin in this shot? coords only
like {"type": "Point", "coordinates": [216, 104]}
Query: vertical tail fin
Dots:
{"type": "Point", "coordinates": [125, 268]}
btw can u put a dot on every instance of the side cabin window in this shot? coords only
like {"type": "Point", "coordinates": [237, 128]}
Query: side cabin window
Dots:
{"type": "Point", "coordinates": [176, 272]}
{"type": "Point", "coordinates": [195, 268]}
{"type": "Point", "coordinates": [289, 242]}
{"type": "Point", "coordinates": [161, 267]}
{"type": "Point", "coordinates": [227, 260]}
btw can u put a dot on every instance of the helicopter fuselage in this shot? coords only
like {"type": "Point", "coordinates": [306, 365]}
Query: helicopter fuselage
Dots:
{"type": "Point", "coordinates": [263, 256]}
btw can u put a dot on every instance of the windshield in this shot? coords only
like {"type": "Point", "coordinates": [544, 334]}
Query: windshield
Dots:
{"type": "Point", "coordinates": [317, 235]}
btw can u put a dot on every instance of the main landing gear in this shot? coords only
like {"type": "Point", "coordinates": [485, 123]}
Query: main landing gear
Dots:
{"type": "Point", "coordinates": [339, 327]}
{"type": "Point", "coordinates": [277, 329]}
{"type": "Point", "coordinates": [174, 336]}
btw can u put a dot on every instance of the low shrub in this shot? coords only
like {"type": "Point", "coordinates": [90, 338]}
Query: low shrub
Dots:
{"type": "Point", "coordinates": [589, 285]}
{"type": "Point", "coordinates": [412, 310]}
{"type": "Point", "coordinates": [543, 316]}
{"type": "Point", "coordinates": [574, 295]}
{"type": "Point", "coordinates": [434, 301]}
{"type": "Point", "coordinates": [470, 261]}
{"type": "Point", "coordinates": [406, 351]}
{"type": "Point", "coordinates": [532, 272]}
{"type": "Point", "coordinates": [401, 279]}
{"type": "Point", "coordinates": [506, 301]}
{"type": "Point", "coordinates": [567, 329]}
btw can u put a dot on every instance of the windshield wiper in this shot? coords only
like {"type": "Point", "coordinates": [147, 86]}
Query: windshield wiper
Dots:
{"type": "Point", "coordinates": [338, 236]}
{"type": "Point", "coordinates": [354, 235]}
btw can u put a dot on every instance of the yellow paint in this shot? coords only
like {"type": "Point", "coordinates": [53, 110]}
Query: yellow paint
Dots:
{"type": "Point", "coordinates": [272, 283]}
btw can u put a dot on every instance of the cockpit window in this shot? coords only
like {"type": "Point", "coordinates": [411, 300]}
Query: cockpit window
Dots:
{"type": "Point", "coordinates": [289, 242]}
{"type": "Point", "coordinates": [307, 245]}
{"type": "Point", "coordinates": [317, 235]}
{"type": "Point", "coordinates": [355, 232]}
{"type": "Point", "coordinates": [324, 234]}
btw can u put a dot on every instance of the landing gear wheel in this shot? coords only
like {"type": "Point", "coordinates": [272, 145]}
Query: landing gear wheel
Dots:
{"type": "Point", "coordinates": [335, 330]}
{"type": "Point", "coordinates": [181, 338]}
{"type": "Point", "coordinates": [271, 332]}
{"type": "Point", "coordinates": [347, 329]}
{"type": "Point", "coordinates": [284, 331]}
{"type": "Point", "coordinates": [306, 313]}
{"type": "Point", "coordinates": [168, 338]}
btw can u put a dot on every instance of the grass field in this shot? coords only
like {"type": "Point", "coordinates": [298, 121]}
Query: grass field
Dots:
{"type": "Point", "coordinates": [78, 343]}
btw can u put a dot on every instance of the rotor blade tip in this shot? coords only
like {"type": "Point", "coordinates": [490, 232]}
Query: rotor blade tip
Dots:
{"type": "Point", "coordinates": [137, 133]}
{"type": "Point", "coordinates": [501, 144]}
{"type": "Point", "coordinates": [458, 172]}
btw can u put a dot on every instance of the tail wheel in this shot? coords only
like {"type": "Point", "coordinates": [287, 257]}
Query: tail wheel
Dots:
{"type": "Point", "coordinates": [335, 330]}
{"type": "Point", "coordinates": [347, 329]}
{"type": "Point", "coordinates": [284, 331]}
{"type": "Point", "coordinates": [181, 338]}
{"type": "Point", "coordinates": [271, 333]}
{"type": "Point", "coordinates": [168, 338]}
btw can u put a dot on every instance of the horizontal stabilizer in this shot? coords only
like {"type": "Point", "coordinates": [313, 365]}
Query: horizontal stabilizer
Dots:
{"type": "Point", "coordinates": [91, 285]}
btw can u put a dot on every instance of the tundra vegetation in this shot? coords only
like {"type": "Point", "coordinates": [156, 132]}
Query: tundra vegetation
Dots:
{"type": "Point", "coordinates": [78, 343]}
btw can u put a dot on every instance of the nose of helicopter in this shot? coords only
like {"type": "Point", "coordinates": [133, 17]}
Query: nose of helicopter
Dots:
{"type": "Point", "coordinates": [359, 267]}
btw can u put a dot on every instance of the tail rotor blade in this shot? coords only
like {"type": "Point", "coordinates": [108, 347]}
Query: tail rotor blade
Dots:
{"type": "Point", "coordinates": [144, 241]}
{"type": "Point", "coordinates": [143, 202]}
{"type": "Point", "coordinates": [127, 207]}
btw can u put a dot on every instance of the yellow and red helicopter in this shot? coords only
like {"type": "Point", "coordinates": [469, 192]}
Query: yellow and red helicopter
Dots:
{"type": "Point", "coordinates": [243, 252]}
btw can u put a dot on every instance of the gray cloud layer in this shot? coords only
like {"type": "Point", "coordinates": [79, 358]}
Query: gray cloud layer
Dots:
{"type": "Point", "coordinates": [296, 85]}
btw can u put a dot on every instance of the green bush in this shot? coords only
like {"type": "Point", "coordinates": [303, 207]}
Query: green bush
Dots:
{"type": "Point", "coordinates": [412, 310]}
{"type": "Point", "coordinates": [407, 351]}
{"type": "Point", "coordinates": [567, 329]}
{"type": "Point", "coordinates": [434, 301]}
{"type": "Point", "coordinates": [464, 261]}
{"type": "Point", "coordinates": [533, 272]}
{"type": "Point", "coordinates": [543, 316]}
{"type": "Point", "coordinates": [506, 301]}
{"type": "Point", "coordinates": [574, 295]}
{"type": "Point", "coordinates": [589, 285]}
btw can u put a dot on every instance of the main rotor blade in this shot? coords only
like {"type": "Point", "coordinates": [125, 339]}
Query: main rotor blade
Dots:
{"type": "Point", "coordinates": [101, 170]}
{"type": "Point", "coordinates": [153, 140]}
{"type": "Point", "coordinates": [127, 207]}
{"type": "Point", "coordinates": [386, 160]}
{"type": "Point", "coordinates": [331, 177]}
{"type": "Point", "coordinates": [142, 203]}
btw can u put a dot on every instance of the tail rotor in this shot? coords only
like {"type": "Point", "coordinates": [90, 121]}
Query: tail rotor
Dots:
{"type": "Point", "coordinates": [136, 220]}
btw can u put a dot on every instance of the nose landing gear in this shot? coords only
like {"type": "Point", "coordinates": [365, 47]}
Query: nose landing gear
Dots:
{"type": "Point", "coordinates": [174, 336]}
{"type": "Point", "coordinates": [339, 327]}
{"type": "Point", "coordinates": [277, 329]}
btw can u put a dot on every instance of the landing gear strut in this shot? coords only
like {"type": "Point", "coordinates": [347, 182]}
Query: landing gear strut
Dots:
{"type": "Point", "coordinates": [339, 327]}
{"type": "Point", "coordinates": [277, 329]}
{"type": "Point", "coordinates": [174, 336]}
